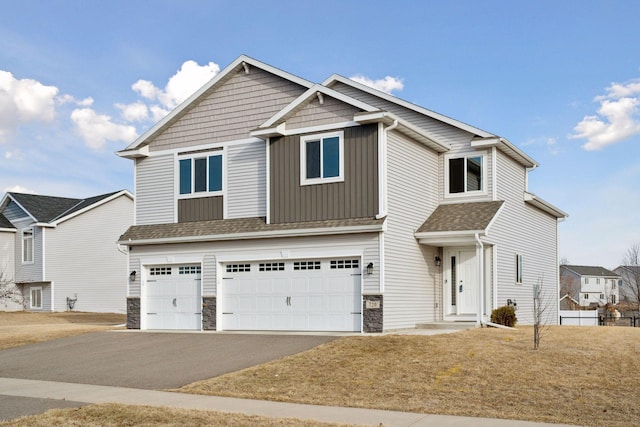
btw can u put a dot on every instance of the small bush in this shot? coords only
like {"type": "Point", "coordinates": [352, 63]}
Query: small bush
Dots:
{"type": "Point", "coordinates": [505, 315]}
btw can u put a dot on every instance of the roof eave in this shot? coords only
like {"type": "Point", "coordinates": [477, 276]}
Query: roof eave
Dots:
{"type": "Point", "coordinates": [545, 206]}
{"type": "Point", "coordinates": [448, 238]}
{"type": "Point", "coordinates": [134, 154]}
{"type": "Point", "coordinates": [506, 146]}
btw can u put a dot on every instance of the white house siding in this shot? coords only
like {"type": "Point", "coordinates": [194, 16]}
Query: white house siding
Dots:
{"type": "Point", "coordinates": [7, 266]}
{"type": "Point", "coordinates": [411, 287]}
{"type": "Point", "coordinates": [522, 229]}
{"type": "Point", "coordinates": [316, 114]}
{"type": "Point", "coordinates": [228, 113]}
{"type": "Point", "coordinates": [28, 272]}
{"type": "Point", "coordinates": [246, 180]}
{"type": "Point", "coordinates": [83, 260]}
{"type": "Point", "coordinates": [155, 190]}
{"type": "Point", "coordinates": [265, 249]}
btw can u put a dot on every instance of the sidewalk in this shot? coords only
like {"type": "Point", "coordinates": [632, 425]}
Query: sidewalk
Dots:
{"type": "Point", "coordinates": [103, 394]}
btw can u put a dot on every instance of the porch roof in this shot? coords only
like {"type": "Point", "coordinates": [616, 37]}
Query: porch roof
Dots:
{"type": "Point", "coordinates": [458, 222]}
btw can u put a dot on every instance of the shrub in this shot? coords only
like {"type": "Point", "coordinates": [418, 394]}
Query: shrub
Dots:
{"type": "Point", "coordinates": [505, 315]}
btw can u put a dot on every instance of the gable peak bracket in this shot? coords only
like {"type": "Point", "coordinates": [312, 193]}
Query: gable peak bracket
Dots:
{"type": "Point", "coordinates": [246, 67]}
{"type": "Point", "coordinates": [320, 97]}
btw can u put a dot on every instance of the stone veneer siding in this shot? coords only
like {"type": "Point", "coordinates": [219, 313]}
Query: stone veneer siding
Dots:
{"type": "Point", "coordinates": [208, 313]}
{"type": "Point", "coordinates": [133, 313]}
{"type": "Point", "coordinates": [372, 317]}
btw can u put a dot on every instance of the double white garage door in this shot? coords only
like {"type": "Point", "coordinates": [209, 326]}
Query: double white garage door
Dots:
{"type": "Point", "coordinates": [297, 295]}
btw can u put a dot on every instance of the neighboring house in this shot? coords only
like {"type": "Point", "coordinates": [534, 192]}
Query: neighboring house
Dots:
{"type": "Point", "coordinates": [62, 252]}
{"type": "Point", "coordinates": [567, 302]}
{"type": "Point", "coordinates": [590, 286]}
{"type": "Point", "coordinates": [267, 202]}
{"type": "Point", "coordinates": [629, 284]}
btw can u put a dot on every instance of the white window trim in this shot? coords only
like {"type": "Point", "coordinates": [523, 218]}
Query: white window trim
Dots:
{"type": "Point", "coordinates": [303, 158]}
{"type": "Point", "coordinates": [519, 274]}
{"type": "Point", "coordinates": [192, 156]}
{"type": "Point", "coordinates": [31, 289]}
{"type": "Point", "coordinates": [33, 245]}
{"type": "Point", "coordinates": [483, 178]}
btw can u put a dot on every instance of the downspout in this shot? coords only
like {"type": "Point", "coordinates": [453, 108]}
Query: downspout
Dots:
{"type": "Point", "coordinates": [480, 252]}
{"type": "Point", "coordinates": [382, 170]}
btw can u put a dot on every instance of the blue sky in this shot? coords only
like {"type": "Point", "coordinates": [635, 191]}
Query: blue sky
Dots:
{"type": "Point", "coordinates": [560, 79]}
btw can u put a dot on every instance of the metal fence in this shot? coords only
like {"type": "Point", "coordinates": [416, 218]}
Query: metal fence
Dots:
{"type": "Point", "coordinates": [599, 320]}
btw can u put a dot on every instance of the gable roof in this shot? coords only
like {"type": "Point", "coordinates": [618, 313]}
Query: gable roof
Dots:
{"type": "Point", "coordinates": [51, 209]}
{"type": "Point", "coordinates": [587, 270]}
{"type": "Point", "coordinates": [242, 61]}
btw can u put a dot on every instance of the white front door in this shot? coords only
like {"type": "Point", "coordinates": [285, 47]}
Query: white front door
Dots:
{"type": "Point", "coordinates": [461, 282]}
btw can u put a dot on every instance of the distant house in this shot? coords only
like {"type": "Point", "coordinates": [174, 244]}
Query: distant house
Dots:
{"type": "Point", "coordinates": [588, 285]}
{"type": "Point", "coordinates": [268, 202]}
{"type": "Point", "coordinates": [629, 284]}
{"type": "Point", "coordinates": [61, 253]}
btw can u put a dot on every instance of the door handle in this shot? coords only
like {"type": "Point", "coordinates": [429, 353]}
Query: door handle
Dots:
{"type": "Point", "coordinates": [287, 301]}
{"type": "Point", "coordinates": [460, 289]}
{"type": "Point", "coordinates": [174, 302]}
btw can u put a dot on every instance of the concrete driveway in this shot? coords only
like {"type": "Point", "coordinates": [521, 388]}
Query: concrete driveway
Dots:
{"type": "Point", "coordinates": [148, 360]}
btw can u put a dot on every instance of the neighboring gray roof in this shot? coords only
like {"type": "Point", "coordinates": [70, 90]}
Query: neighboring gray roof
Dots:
{"type": "Point", "coordinates": [48, 208]}
{"type": "Point", "coordinates": [461, 217]}
{"type": "Point", "coordinates": [586, 270]}
{"type": "Point", "coordinates": [225, 229]}
{"type": "Point", "coordinates": [4, 222]}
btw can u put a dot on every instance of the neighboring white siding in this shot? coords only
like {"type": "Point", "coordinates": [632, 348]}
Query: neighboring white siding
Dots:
{"type": "Point", "coordinates": [412, 282]}
{"type": "Point", "coordinates": [246, 180]}
{"type": "Point", "coordinates": [7, 266]}
{"type": "Point", "coordinates": [28, 272]}
{"type": "Point", "coordinates": [272, 249]}
{"type": "Point", "coordinates": [230, 111]}
{"type": "Point", "coordinates": [525, 230]}
{"type": "Point", "coordinates": [83, 260]}
{"type": "Point", "coordinates": [155, 190]}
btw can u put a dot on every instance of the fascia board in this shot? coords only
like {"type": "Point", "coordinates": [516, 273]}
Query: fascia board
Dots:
{"type": "Point", "coordinates": [217, 78]}
{"type": "Point", "coordinates": [448, 238]}
{"type": "Point", "coordinates": [311, 93]}
{"type": "Point", "coordinates": [495, 217]}
{"type": "Point", "coordinates": [134, 154]}
{"type": "Point", "coordinates": [125, 193]}
{"type": "Point", "coordinates": [541, 204]}
{"type": "Point", "coordinates": [406, 104]}
{"type": "Point", "coordinates": [259, 235]}
{"type": "Point", "coordinates": [8, 230]}
{"type": "Point", "coordinates": [508, 148]}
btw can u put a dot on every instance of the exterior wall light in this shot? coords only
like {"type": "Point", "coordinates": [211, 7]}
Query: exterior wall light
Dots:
{"type": "Point", "coordinates": [369, 269]}
{"type": "Point", "coordinates": [132, 276]}
{"type": "Point", "coordinates": [437, 260]}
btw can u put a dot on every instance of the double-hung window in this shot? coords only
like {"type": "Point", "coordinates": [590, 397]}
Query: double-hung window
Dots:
{"type": "Point", "coordinates": [199, 175]}
{"type": "Point", "coordinates": [35, 301]}
{"type": "Point", "coordinates": [27, 246]}
{"type": "Point", "coordinates": [322, 158]}
{"type": "Point", "coordinates": [465, 175]}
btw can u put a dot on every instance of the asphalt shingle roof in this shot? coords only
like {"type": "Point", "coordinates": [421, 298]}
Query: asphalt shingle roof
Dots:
{"type": "Point", "coordinates": [48, 208]}
{"type": "Point", "coordinates": [461, 217]}
{"type": "Point", "coordinates": [225, 227]}
{"type": "Point", "coordinates": [4, 222]}
{"type": "Point", "coordinates": [586, 270]}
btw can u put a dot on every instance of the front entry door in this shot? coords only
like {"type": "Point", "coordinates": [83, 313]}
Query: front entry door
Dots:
{"type": "Point", "coordinates": [461, 282]}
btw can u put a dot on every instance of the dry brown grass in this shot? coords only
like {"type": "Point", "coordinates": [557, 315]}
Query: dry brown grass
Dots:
{"type": "Point", "coordinates": [21, 328]}
{"type": "Point", "coordinates": [581, 375]}
{"type": "Point", "coordinates": [124, 415]}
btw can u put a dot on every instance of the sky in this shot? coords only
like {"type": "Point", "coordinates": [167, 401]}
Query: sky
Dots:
{"type": "Point", "coordinates": [80, 80]}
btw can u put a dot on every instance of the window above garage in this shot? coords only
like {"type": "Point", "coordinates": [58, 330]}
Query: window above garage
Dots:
{"type": "Point", "coordinates": [322, 158]}
{"type": "Point", "coordinates": [200, 174]}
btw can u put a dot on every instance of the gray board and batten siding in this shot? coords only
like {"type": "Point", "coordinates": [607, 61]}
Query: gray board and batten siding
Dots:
{"type": "Point", "coordinates": [356, 197]}
{"type": "Point", "coordinates": [200, 209]}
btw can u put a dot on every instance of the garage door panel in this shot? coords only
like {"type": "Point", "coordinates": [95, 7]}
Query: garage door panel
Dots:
{"type": "Point", "coordinates": [173, 298]}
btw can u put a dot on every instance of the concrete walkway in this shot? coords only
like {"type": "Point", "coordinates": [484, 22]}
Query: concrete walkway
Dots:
{"type": "Point", "coordinates": [105, 394]}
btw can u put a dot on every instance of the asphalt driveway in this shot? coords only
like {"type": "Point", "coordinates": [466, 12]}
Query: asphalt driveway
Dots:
{"type": "Point", "coordinates": [148, 360]}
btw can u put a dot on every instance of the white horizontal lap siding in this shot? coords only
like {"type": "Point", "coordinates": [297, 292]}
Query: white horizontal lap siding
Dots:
{"type": "Point", "coordinates": [411, 287]}
{"type": "Point", "coordinates": [231, 111]}
{"type": "Point", "coordinates": [155, 190]}
{"type": "Point", "coordinates": [523, 229]}
{"type": "Point", "coordinates": [31, 272]}
{"type": "Point", "coordinates": [7, 255]}
{"type": "Point", "coordinates": [83, 260]}
{"type": "Point", "coordinates": [249, 250]}
{"type": "Point", "coordinates": [246, 180]}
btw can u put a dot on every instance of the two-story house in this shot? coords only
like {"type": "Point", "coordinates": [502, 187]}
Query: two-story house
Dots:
{"type": "Point", "coordinates": [61, 253]}
{"type": "Point", "coordinates": [589, 285]}
{"type": "Point", "coordinates": [629, 285]}
{"type": "Point", "coordinates": [268, 202]}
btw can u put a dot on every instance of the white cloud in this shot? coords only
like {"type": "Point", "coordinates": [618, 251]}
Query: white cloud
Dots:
{"type": "Point", "coordinates": [68, 99]}
{"type": "Point", "coordinates": [96, 129]}
{"type": "Point", "coordinates": [617, 119]}
{"type": "Point", "coordinates": [189, 78]}
{"type": "Point", "coordinates": [136, 112]}
{"type": "Point", "coordinates": [15, 155]}
{"type": "Point", "coordinates": [387, 85]}
{"type": "Point", "coordinates": [24, 101]}
{"type": "Point", "coordinates": [19, 189]}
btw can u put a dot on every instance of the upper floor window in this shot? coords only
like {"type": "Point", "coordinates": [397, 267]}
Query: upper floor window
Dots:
{"type": "Point", "coordinates": [465, 174]}
{"type": "Point", "coordinates": [27, 246]}
{"type": "Point", "coordinates": [322, 158]}
{"type": "Point", "coordinates": [200, 174]}
{"type": "Point", "coordinates": [586, 280]}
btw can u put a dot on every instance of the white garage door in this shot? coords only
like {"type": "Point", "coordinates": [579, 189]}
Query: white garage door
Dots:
{"type": "Point", "coordinates": [173, 297]}
{"type": "Point", "coordinates": [301, 295]}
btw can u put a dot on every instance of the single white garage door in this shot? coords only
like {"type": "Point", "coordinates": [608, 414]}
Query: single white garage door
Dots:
{"type": "Point", "coordinates": [300, 295]}
{"type": "Point", "coordinates": [173, 297]}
